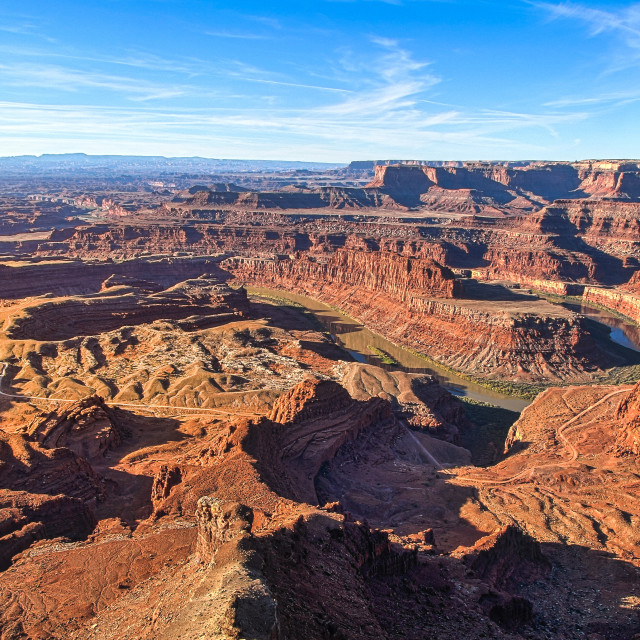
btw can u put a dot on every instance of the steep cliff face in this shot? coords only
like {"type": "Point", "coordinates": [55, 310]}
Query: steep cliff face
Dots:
{"type": "Point", "coordinates": [401, 277]}
{"type": "Point", "coordinates": [418, 399]}
{"type": "Point", "coordinates": [595, 221]}
{"type": "Point", "coordinates": [319, 417]}
{"type": "Point", "coordinates": [507, 557]}
{"type": "Point", "coordinates": [45, 493]}
{"type": "Point", "coordinates": [625, 303]}
{"type": "Point", "coordinates": [633, 286]}
{"type": "Point", "coordinates": [492, 188]}
{"type": "Point", "coordinates": [332, 197]}
{"type": "Point", "coordinates": [628, 415]}
{"type": "Point", "coordinates": [527, 265]}
{"type": "Point", "coordinates": [515, 339]}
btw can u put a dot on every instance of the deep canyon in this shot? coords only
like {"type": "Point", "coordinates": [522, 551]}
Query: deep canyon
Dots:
{"type": "Point", "coordinates": [189, 449]}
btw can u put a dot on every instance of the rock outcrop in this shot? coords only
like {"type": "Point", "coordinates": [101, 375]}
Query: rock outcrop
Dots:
{"type": "Point", "coordinates": [398, 276]}
{"type": "Point", "coordinates": [60, 319]}
{"type": "Point", "coordinates": [44, 493]}
{"type": "Point", "coordinates": [72, 277]}
{"type": "Point", "coordinates": [244, 605]}
{"type": "Point", "coordinates": [506, 558]}
{"type": "Point", "coordinates": [318, 417]}
{"type": "Point", "coordinates": [522, 339]}
{"type": "Point", "coordinates": [88, 427]}
{"type": "Point", "coordinates": [253, 484]}
{"type": "Point", "coordinates": [487, 188]}
{"type": "Point", "coordinates": [628, 415]}
{"type": "Point", "coordinates": [627, 304]}
{"type": "Point", "coordinates": [418, 399]}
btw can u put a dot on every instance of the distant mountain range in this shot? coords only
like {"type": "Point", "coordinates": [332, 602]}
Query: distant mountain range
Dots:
{"type": "Point", "coordinates": [141, 164]}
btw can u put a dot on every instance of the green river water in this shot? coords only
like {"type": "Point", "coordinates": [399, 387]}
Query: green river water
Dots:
{"type": "Point", "coordinates": [356, 339]}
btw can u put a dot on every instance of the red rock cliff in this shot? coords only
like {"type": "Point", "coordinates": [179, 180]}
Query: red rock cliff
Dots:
{"type": "Point", "coordinates": [400, 276]}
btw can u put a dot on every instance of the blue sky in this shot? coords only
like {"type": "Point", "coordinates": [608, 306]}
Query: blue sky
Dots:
{"type": "Point", "coordinates": [333, 80]}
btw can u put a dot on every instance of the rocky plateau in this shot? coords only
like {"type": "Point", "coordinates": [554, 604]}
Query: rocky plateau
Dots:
{"type": "Point", "coordinates": [188, 451]}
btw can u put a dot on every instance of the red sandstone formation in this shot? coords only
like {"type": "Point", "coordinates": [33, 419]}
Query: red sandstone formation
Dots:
{"type": "Point", "coordinates": [207, 518]}
{"type": "Point", "coordinates": [332, 197]}
{"type": "Point", "coordinates": [633, 286]}
{"type": "Point", "coordinates": [511, 339]}
{"type": "Point", "coordinates": [564, 455]}
{"type": "Point", "coordinates": [628, 441]}
{"type": "Point", "coordinates": [44, 493]}
{"type": "Point", "coordinates": [88, 427]}
{"type": "Point", "coordinates": [72, 277]}
{"type": "Point", "coordinates": [319, 417]}
{"type": "Point", "coordinates": [262, 565]}
{"type": "Point", "coordinates": [492, 188]}
{"type": "Point", "coordinates": [64, 318]}
{"type": "Point", "coordinates": [419, 399]}
{"type": "Point", "coordinates": [627, 304]}
{"type": "Point", "coordinates": [403, 278]}
{"type": "Point", "coordinates": [506, 558]}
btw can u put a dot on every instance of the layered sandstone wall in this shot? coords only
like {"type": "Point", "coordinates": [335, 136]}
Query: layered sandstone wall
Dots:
{"type": "Point", "coordinates": [547, 182]}
{"type": "Point", "coordinates": [401, 277]}
{"type": "Point", "coordinates": [71, 277]}
{"type": "Point", "coordinates": [625, 303]}
{"type": "Point", "coordinates": [499, 339]}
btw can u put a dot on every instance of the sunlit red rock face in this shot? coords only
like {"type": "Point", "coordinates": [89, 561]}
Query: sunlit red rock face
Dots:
{"type": "Point", "coordinates": [67, 317]}
{"type": "Point", "coordinates": [633, 286]}
{"type": "Point", "coordinates": [568, 450]}
{"type": "Point", "coordinates": [486, 188]}
{"type": "Point", "coordinates": [625, 303]}
{"type": "Point", "coordinates": [534, 223]}
{"type": "Point", "coordinates": [628, 414]}
{"type": "Point", "coordinates": [310, 515]}
{"type": "Point", "coordinates": [417, 398]}
{"type": "Point", "coordinates": [415, 302]}
{"type": "Point", "coordinates": [401, 277]}
{"type": "Point", "coordinates": [230, 550]}
{"type": "Point", "coordinates": [44, 493]}
{"type": "Point", "coordinates": [88, 427]}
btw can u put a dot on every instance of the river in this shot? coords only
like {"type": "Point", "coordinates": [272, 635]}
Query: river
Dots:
{"type": "Point", "coordinates": [623, 332]}
{"type": "Point", "coordinates": [356, 339]}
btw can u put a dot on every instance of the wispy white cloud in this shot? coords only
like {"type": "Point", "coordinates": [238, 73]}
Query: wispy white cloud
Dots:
{"type": "Point", "coordinates": [380, 101]}
{"type": "Point", "coordinates": [72, 80]}
{"type": "Point", "coordinates": [23, 29]}
{"type": "Point", "coordinates": [617, 98]}
{"type": "Point", "coordinates": [396, 81]}
{"type": "Point", "coordinates": [194, 131]}
{"type": "Point", "coordinates": [269, 21]}
{"type": "Point", "coordinates": [623, 53]}
{"type": "Point", "coordinates": [623, 22]}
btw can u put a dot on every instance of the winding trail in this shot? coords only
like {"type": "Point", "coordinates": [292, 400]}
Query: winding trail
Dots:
{"type": "Point", "coordinates": [422, 448]}
{"type": "Point", "coordinates": [561, 436]}
{"type": "Point", "coordinates": [144, 407]}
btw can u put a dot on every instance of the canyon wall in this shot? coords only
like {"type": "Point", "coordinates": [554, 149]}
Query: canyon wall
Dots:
{"type": "Point", "coordinates": [513, 339]}
{"type": "Point", "coordinates": [401, 277]}
{"type": "Point", "coordinates": [493, 186]}
{"type": "Point", "coordinates": [627, 304]}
